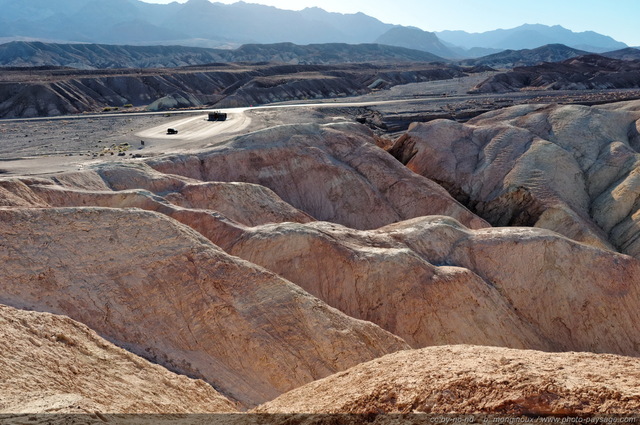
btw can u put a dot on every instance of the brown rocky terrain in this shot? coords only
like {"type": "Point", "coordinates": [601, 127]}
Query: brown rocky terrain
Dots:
{"type": "Point", "coordinates": [570, 169]}
{"type": "Point", "coordinates": [339, 174]}
{"type": "Point", "coordinates": [53, 92]}
{"type": "Point", "coordinates": [52, 364]}
{"type": "Point", "coordinates": [269, 260]}
{"type": "Point", "coordinates": [588, 72]}
{"type": "Point", "coordinates": [161, 291]}
{"type": "Point", "coordinates": [349, 269]}
{"type": "Point", "coordinates": [478, 380]}
{"type": "Point", "coordinates": [526, 57]}
{"type": "Point", "coordinates": [33, 54]}
{"type": "Point", "coordinates": [447, 288]}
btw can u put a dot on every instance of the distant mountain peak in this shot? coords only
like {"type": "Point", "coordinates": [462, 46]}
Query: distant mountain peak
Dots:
{"type": "Point", "coordinates": [197, 4]}
{"type": "Point", "coordinates": [529, 36]}
{"type": "Point", "coordinates": [214, 24]}
{"type": "Point", "coordinates": [417, 39]}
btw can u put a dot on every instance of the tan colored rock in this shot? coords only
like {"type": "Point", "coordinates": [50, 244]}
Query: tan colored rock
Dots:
{"type": "Point", "coordinates": [159, 289]}
{"type": "Point", "coordinates": [331, 172]}
{"type": "Point", "coordinates": [577, 297]}
{"type": "Point", "coordinates": [235, 201]}
{"type": "Point", "coordinates": [428, 280]}
{"type": "Point", "coordinates": [139, 176]}
{"type": "Point", "coordinates": [371, 276]}
{"type": "Point", "coordinates": [245, 203]}
{"type": "Point", "coordinates": [15, 193]}
{"type": "Point", "coordinates": [127, 186]}
{"type": "Point", "coordinates": [474, 380]}
{"type": "Point", "coordinates": [433, 282]}
{"type": "Point", "coordinates": [572, 169]}
{"type": "Point", "coordinates": [52, 364]}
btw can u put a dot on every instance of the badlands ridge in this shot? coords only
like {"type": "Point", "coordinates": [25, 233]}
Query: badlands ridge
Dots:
{"type": "Point", "coordinates": [302, 268]}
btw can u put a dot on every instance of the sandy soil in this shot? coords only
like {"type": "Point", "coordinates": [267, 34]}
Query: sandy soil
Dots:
{"type": "Point", "coordinates": [46, 146]}
{"type": "Point", "coordinates": [194, 129]}
{"type": "Point", "coordinates": [29, 147]}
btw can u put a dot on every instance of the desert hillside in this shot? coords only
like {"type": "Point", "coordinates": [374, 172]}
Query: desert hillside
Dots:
{"type": "Point", "coordinates": [467, 379]}
{"type": "Point", "coordinates": [570, 169]}
{"type": "Point", "coordinates": [52, 91]}
{"type": "Point", "coordinates": [52, 364]}
{"type": "Point", "coordinates": [111, 56]}
{"type": "Point", "coordinates": [160, 290]}
{"type": "Point", "coordinates": [301, 267]}
{"type": "Point", "coordinates": [588, 72]}
{"type": "Point", "coordinates": [378, 222]}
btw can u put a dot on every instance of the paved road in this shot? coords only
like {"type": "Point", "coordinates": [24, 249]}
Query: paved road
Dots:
{"type": "Point", "coordinates": [194, 132]}
{"type": "Point", "coordinates": [194, 129]}
{"type": "Point", "coordinates": [195, 111]}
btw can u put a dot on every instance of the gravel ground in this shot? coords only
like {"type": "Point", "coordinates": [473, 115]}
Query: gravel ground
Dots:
{"type": "Point", "coordinates": [50, 145]}
{"type": "Point", "coordinates": [79, 137]}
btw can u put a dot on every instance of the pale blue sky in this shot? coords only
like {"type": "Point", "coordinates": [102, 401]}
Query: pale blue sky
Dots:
{"type": "Point", "coordinates": [619, 19]}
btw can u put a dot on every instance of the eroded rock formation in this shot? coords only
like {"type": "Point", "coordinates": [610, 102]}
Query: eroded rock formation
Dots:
{"type": "Point", "coordinates": [571, 169]}
{"type": "Point", "coordinates": [586, 72]}
{"type": "Point", "coordinates": [465, 379]}
{"type": "Point", "coordinates": [52, 364]}
{"type": "Point", "coordinates": [216, 264]}
{"type": "Point", "coordinates": [432, 281]}
{"type": "Point", "coordinates": [159, 289]}
{"type": "Point", "coordinates": [332, 172]}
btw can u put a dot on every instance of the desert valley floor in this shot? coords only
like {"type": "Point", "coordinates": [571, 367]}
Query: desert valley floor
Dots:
{"type": "Point", "coordinates": [346, 258]}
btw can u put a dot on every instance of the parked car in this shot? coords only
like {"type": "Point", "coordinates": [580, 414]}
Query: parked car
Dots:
{"type": "Point", "coordinates": [217, 116]}
{"type": "Point", "coordinates": [172, 131]}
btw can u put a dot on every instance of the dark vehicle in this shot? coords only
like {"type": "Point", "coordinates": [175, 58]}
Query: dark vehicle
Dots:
{"type": "Point", "coordinates": [217, 116]}
{"type": "Point", "coordinates": [172, 131]}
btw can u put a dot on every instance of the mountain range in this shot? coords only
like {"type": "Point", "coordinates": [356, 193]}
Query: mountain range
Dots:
{"type": "Point", "coordinates": [200, 23]}
{"type": "Point", "coordinates": [530, 36]}
{"type": "Point", "coordinates": [102, 56]}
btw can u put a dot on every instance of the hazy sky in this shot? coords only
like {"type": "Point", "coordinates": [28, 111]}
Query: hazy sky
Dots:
{"type": "Point", "coordinates": [619, 19]}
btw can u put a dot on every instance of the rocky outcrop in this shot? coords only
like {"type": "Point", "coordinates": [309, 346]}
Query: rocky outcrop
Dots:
{"type": "Point", "coordinates": [15, 193]}
{"type": "Point", "coordinates": [570, 169]}
{"type": "Point", "coordinates": [526, 57]}
{"type": "Point", "coordinates": [432, 282]}
{"type": "Point", "coordinates": [474, 380]}
{"type": "Point", "coordinates": [53, 92]}
{"type": "Point", "coordinates": [139, 186]}
{"type": "Point", "coordinates": [429, 280]}
{"type": "Point", "coordinates": [52, 364]}
{"type": "Point", "coordinates": [160, 290]}
{"type": "Point", "coordinates": [588, 72]}
{"type": "Point", "coordinates": [331, 172]}
{"type": "Point", "coordinates": [213, 265]}
{"type": "Point", "coordinates": [245, 203]}
{"type": "Point", "coordinates": [371, 276]}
